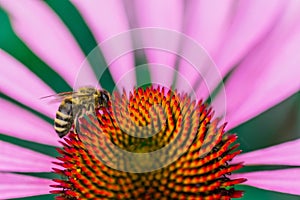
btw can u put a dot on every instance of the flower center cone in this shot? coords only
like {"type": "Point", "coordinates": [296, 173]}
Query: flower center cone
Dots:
{"type": "Point", "coordinates": [152, 144]}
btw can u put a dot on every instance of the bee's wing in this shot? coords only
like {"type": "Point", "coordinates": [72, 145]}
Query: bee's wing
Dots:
{"type": "Point", "coordinates": [63, 95]}
{"type": "Point", "coordinates": [59, 96]}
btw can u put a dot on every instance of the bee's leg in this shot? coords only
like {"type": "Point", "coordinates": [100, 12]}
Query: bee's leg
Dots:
{"type": "Point", "coordinates": [76, 126]}
{"type": "Point", "coordinates": [90, 109]}
{"type": "Point", "coordinates": [77, 118]}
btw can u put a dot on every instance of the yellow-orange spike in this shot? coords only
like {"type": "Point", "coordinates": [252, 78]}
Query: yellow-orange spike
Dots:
{"type": "Point", "coordinates": [193, 160]}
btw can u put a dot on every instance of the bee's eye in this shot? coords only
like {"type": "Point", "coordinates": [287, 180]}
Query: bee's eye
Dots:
{"type": "Point", "coordinates": [103, 99]}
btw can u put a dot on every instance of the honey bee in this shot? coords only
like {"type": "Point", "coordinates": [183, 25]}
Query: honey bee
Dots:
{"type": "Point", "coordinates": [75, 104]}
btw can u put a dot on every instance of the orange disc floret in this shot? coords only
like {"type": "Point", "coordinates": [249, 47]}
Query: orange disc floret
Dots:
{"type": "Point", "coordinates": [149, 144]}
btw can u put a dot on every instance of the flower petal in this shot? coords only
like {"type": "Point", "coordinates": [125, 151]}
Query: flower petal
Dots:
{"type": "Point", "coordinates": [227, 34]}
{"type": "Point", "coordinates": [207, 29]}
{"type": "Point", "coordinates": [284, 180]}
{"type": "Point", "coordinates": [26, 125]}
{"type": "Point", "coordinates": [283, 154]}
{"type": "Point", "coordinates": [51, 41]}
{"type": "Point", "coordinates": [269, 74]}
{"type": "Point", "coordinates": [25, 160]}
{"type": "Point", "coordinates": [166, 14]}
{"type": "Point", "coordinates": [250, 23]}
{"type": "Point", "coordinates": [18, 85]}
{"type": "Point", "coordinates": [99, 16]}
{"type": "Point", "coordinates": [17, 186]}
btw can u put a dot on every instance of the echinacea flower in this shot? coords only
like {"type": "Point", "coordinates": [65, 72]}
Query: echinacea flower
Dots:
{"type": "Point", "coordinates": [240, 57]}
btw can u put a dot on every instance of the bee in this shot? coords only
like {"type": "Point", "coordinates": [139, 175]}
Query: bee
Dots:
{"type": "Point", "coordinates": [75, 104]}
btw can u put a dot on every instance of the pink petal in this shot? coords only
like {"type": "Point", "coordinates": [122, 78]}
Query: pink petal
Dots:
{"type": "Point", "coordinates": [287, 153]}
{"type": "Point", "coordinates": [269, 74]}
{"type": "Point", "coordinates": [207, 28]}
{"type": "Point", "coordinates": [14, 158]}
{"type": "Point", "coordinates": [227, 33]}
{"type": "Point", "coordinates": [18, 85]}
{"type": "Point", "coordinates": [284, 180]}
{"type": "Point", "coordinates": [100, 15]}
{"type": "Point", "coordinates": [20, 123]}
{"type": "Point", "coordinates": [17, 186]}
{"type": "Point", "coordinates": [47, 36]}
{"type": "Point", "coordinates": [201, 67]}
{"type": "Point", "coordinates": [164, 15]}
{"type": "Point", "coordinates": [249, 23]}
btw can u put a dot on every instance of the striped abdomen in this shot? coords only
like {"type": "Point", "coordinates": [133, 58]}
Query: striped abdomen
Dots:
{"type": "Point", "coordinates": [64, 118]}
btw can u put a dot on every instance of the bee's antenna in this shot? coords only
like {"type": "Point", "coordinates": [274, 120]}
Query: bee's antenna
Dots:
{"type": "Point", "coordinates": [44, 97]}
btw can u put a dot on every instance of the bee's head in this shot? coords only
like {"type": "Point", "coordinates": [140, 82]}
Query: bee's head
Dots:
{"type": "Point", "coordinates": [102, 99]}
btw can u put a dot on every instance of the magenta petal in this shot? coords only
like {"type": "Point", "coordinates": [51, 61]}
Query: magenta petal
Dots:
{"type": "Point", "coordinates": [162, 14]}
{"type": "Point", "coordinates": [26, 125]}
{"type": "Point", "coordinates": [227, 34]}
{"type": "Point", "coordinates": [207, 29]}
{"type": "Point", "coordinates": [285, 180]}
{"type": "Point", "coordinates": [247, 24]}
{"type": "Point", "coordinates": [17, 186]}
{"type": "Point", "coordinates": [14, 158]}
{"type": "Point", "coordinates": [158, 14]}
{"type": "Point", "coordinates": [287, 153]}
{"type": "Point", "coordinates": [23, 80]}
{"type": "Point", "coordinates": [100, 15]}
{"type": "Point", "coordinates": [47, 36]}
{"type": "Point", "coordinates": [269, 74]}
